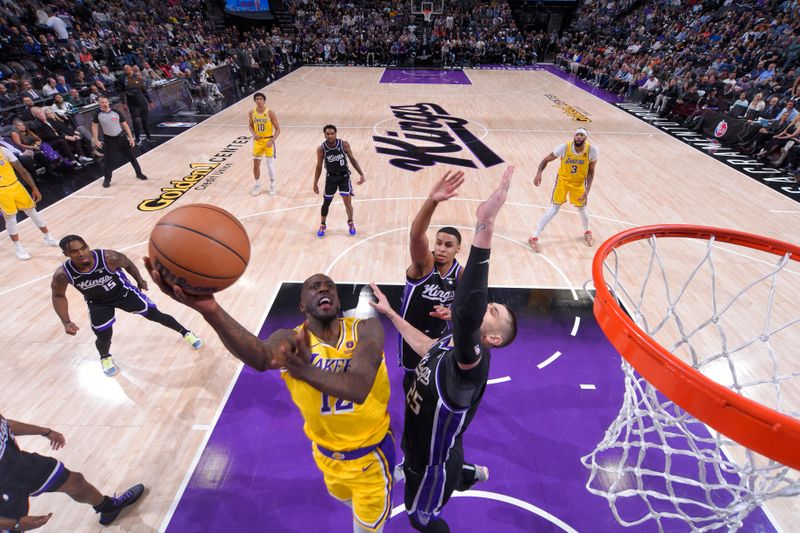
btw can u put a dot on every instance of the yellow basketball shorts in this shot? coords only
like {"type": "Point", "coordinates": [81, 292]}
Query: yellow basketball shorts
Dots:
{"type": "Point", "coordinates": [366, 481]}
{"type": "Point", "coordinates": [564, 188]}
{"type": "Point", "coordinates": [14, 198]}
{"type": "Point", "coordinates": [260, 148]}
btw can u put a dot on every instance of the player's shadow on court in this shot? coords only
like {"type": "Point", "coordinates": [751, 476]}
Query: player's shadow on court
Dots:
{"type": "Point", "coordinates": [199, 372]}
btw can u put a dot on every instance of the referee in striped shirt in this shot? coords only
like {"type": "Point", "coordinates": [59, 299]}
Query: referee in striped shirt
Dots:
{"type": "Point", "coordinates": [116, 145]}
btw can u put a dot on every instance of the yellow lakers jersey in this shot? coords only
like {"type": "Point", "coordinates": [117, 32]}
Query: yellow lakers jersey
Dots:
{"type": "Point", "coordinates": [7, 174]}
{"type": "Point", "coordinates": [262, 123]}
{"type": "Point", "coordinates": [574, 167]}
{"type": "Point", "coordinates": [333, 423]}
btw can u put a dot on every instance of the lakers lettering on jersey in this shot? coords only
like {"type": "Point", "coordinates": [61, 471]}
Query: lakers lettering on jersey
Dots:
{"type": "Point", "coordinates": [262, 125]}
{"type": "Point", "coordinates": [575, 167]}
{"type": "Point", "coordinates": [13, 196]}
{"type": "Point", "coordinates": [334, 423]}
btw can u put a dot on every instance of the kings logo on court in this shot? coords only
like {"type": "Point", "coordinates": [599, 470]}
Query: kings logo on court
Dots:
{"type": "Point", "coordinates": [426, 134]}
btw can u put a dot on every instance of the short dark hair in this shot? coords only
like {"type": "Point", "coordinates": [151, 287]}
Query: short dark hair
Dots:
{"type": "Point", "coordinates": [451, 231]}
{"type": "Point", "coordinates": [64, 243]}
{"type": "Point", "coordinates": [512, 328]}
{"type": "Point", "coordinates": [261, 95]}
{"type": "Point", "coordinates": [102, 96]}
{"type": "Point", "coordinates": [329, 127]}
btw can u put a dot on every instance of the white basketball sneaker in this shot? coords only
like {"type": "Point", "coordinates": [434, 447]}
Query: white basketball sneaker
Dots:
{"type": "Point", "coordinates": [22, 255]}
{"type": "Point", "coordinates": [256, 188]}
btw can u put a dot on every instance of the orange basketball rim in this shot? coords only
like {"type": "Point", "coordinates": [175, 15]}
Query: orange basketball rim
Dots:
{"type": "Point", "coordinates": [755, 426]}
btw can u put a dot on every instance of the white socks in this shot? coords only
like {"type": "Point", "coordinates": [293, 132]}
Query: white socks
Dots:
{"type": "Point", "coordinates": [584, 213]}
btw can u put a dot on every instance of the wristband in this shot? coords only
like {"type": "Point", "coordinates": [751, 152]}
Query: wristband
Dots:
{"type": "Point", "coordinates": [48, 432]}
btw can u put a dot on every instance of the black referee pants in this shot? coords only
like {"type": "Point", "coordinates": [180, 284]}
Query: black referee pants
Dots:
{"type": "Point", "coordinates": [118, 148]}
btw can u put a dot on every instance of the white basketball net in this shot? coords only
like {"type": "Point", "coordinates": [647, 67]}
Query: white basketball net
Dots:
{"type": "Point", "coordinates": [657, 462]}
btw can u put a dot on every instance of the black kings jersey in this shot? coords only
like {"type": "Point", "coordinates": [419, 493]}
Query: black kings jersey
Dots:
{"type": "Point", "coordinates": [100, 284]}
{"type": "Point", "coordinates": [335, 159]}
{"type": "Point", "coordinates": [440, 404]}
{"type": "Point", "coordinates": [420, 296]}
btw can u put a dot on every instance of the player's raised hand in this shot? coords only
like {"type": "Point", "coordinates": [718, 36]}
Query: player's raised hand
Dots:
{"type": "Point", "coordinates": [201, 304]}
{"type": "Point", "coordinates": [488, 209]}
{"type": "Point", "coordinates": [447, 186]}
{"type": "Point", "coordinates": [382, 305]}
{"type": "Point", "coordinates": [299, 359]}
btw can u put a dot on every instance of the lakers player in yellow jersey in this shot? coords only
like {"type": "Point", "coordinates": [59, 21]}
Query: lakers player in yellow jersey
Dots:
{"type": "Point", "coordinates": [265, 129]}
{"type": "Point", "coordinates": [14, 197]}
{"type": "Point", "coordinates": [336, 374]}
{"type": "Point", "coordinates": [574, 180]}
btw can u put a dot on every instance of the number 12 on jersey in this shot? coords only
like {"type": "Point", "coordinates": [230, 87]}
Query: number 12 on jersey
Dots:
{"type": "Point", "coordinates": [340, 406]}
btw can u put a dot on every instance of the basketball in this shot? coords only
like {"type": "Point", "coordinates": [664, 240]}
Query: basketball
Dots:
{"type": "Point", "coordinates": [199, 247]}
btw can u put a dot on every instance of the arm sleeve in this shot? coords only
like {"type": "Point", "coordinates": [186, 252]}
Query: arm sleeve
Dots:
{"type": "Point", "coordinates": [469, 306]}
{"type": "Point", "coordinates": [96, 118]}
{"type": "Point", "coordinates": [594, 152]}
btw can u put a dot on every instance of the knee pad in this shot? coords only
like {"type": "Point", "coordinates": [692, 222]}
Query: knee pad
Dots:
{"type": "Point", "coordinates": [11, 224]}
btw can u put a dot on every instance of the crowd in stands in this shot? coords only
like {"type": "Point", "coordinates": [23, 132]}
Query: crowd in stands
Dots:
{"type": "Point", "coordinates": [367, 32]}
{"type": "Point", "coordinates": [681, 58]}
{"type": "Point", "coordinates": [60, 55]}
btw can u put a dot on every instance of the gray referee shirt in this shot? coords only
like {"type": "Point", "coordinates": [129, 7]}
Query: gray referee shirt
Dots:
{"type": "Point", "coordinates": [110, 122]}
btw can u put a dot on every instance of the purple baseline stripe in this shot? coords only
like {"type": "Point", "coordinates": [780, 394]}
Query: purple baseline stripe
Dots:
{"type": "Point", "coordinates": [425, 76]}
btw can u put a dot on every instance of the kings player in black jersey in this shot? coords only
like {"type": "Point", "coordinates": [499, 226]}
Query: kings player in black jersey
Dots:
{"type": "Point", "coordinates": [433, 275]}
{"type": "Point", "coordinates": [99, 277]}
{"type": "Point", "coordinates": [334, 154]}
{"type": "Point", "coordinates": [24, 474]}
{"type": "Point", "coordinates": [450, 380]}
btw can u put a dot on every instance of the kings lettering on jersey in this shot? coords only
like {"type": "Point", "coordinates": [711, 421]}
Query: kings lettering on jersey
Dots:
{"type": "Point", "coordinates": [434, 292]}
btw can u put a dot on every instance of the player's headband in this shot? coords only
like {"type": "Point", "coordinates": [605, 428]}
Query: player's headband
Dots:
{"type": "Point", "coordinates": [583, 132]}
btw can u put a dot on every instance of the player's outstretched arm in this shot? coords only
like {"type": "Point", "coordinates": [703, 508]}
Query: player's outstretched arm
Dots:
{"type": "Point", "coordinates": [26, 523]}
{"type": "Point", "coordinates": [56, 439]}
{"type": "Point", "coordinates": [445, 188]}
{"type": "Point", "coordinates": [353, 385]}
{"type": "Point", "coordinates": [418, 341]}
{"type": "Point", "coordinates": [472, 294]}
{"type": "Point", "coordinates": [488, 209]}
{"type": "Point", "coordinates": [267, 355]}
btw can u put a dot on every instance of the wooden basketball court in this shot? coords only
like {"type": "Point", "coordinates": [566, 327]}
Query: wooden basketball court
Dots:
{"type": "Point", "coordinates": [149, 423]}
